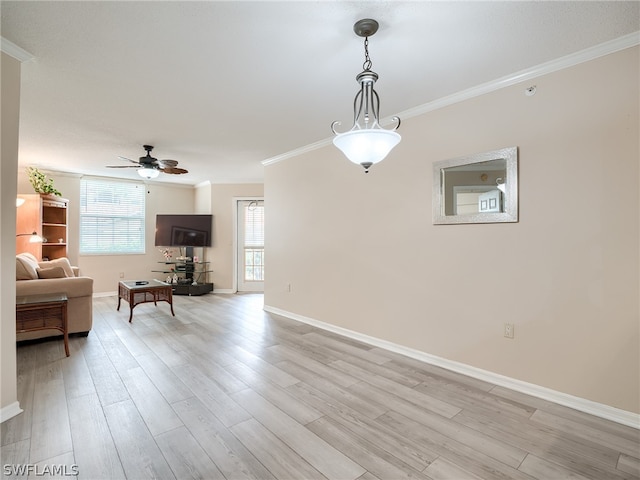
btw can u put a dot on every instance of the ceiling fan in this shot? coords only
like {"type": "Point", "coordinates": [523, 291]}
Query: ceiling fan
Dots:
{"type": "Point", "coordinates": [150, 167]}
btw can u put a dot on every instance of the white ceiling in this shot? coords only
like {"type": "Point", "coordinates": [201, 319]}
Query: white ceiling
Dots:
{"type": "Point", "coordinates": [222, 86]}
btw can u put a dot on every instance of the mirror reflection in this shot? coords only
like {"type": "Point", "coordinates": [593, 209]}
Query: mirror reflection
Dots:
{"type": "Point", "coordinates": [480, 188]}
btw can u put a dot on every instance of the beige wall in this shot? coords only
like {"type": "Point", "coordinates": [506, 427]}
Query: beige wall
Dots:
{"type": "Point", "coordinates": [203, 198]}
{"type": "Point", "coordinates": [360, 250]}
{"type": "Point", "coordinates": [106, 269]}
{"type": "Point", "coordinates": [222, 256]}
{"type": "Point", "coordinates": [216, 199]}
{"type": "Point", "coordinates": [10, 69]}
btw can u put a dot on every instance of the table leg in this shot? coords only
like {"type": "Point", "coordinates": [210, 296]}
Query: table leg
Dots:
{"type": "Point", "coordinates": [169, 296]}
{"type": "Point", "coordinates": [65, 327]}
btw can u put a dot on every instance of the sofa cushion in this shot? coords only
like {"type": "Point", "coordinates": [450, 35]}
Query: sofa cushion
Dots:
{"type": "Point", "coordinates": [26, 266]}
{"type": "Point", "coordinates": [59, 262]}
{"type": "Point", "coordinates": [30, 256]}
{"type": "Point", "coordinates": [73, 287]}
{"type": "Point", "coordinates": [53, 272]}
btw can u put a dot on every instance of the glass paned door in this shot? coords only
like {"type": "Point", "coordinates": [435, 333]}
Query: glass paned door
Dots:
{"type": "Point", "coordinates": [250, 245]}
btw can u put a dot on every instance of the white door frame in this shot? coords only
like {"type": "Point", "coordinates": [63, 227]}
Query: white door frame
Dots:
{"type": "Point", "coordinates": [234, 216]}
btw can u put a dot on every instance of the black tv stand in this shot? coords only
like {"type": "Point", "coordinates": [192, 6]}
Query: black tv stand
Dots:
{"type": "Point", "coordinates": [192, 290]}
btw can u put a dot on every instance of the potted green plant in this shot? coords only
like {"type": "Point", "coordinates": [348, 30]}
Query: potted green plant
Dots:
{"type": "Point", "coordinates": [40, 183]}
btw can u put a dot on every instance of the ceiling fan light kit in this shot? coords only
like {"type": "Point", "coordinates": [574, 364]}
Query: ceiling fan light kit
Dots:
{"type": "Point", "coordinates": [148, 172]}
{"type": "Point", "coordinates": [366, 143]}
{"type": "Point", "coordinates": [149, 167]}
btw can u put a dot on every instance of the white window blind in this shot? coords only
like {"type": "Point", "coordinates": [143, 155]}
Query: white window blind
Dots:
{"type": "Point", "coordinates": [111, 217]}
{"type": "Point", "coordinates": [254, 224]}
{"type": "Point", "coordinates": [253, 241]}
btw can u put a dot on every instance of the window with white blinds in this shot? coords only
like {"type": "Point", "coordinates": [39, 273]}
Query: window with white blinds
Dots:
{"type": "Point", "coordinates": [112, 215]}
{"type": "Point", "coordinates": [254, 224]}
{"type": "Point", "coordinates": [254, 241]}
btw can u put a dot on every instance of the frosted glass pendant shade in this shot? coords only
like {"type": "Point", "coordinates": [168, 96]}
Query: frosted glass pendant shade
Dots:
{"type": "Point", "coordinates": [367, 147]}
{"type": "Point", "coordinates": [148, 173]}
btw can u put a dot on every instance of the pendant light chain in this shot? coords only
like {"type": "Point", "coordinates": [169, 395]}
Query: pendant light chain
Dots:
{"type": "Point", "coordinates": [366, 66]}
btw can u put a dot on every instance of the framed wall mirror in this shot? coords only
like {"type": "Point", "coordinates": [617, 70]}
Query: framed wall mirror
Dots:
{"type": "Point", "coordinates": [480, 188]}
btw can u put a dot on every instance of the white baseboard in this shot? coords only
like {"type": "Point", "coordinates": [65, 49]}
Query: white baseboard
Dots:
{"type": "Point", "coordinates": [223, 290]}
{"type": "Point", "coordinates": [104, 294]}
{"type": "Point", "coordinates": [588, 406]}
{"type": "Point", "coordinates": [10, 411]}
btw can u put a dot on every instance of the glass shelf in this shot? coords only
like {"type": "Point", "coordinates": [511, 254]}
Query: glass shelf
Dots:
{"type": "Point", "coordinates": [185, 269]}
{"type": "Point", "coordinates": [195, 272]}
{"type": "Point", "coordinates": [184, 262]}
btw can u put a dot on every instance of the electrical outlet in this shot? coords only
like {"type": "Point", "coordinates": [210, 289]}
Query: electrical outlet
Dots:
{"type": "Point", "coordinates": [121, 274]}
{"type": "Point", "coordinates": [508, 330]}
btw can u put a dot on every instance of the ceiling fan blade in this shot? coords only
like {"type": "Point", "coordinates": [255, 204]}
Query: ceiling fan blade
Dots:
{"type": "Point", "coordinates": [123, 166]}
{"type": "Point", "coordinates": [168, 163]}
{"type": "Point", "coordinates": [174, 170]}
{"type": "Point", "coordinates": [127, 160]}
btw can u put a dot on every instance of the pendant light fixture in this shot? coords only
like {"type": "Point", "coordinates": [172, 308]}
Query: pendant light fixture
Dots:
{"type": "Point", "coordinates": [367, 143]}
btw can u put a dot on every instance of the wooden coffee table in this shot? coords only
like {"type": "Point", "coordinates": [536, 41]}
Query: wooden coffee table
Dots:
{"type": "Point", "coordinates": [137, 292]}
{"type": "Point", "coordinates": [43, 312]}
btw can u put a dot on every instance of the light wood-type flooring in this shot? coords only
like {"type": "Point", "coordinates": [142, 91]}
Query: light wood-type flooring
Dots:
{"type": "Point", "coordinates": [227, 391]}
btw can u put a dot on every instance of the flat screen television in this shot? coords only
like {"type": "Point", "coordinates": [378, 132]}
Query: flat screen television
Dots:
{"type": "Point", "coordinates": [183, 230]}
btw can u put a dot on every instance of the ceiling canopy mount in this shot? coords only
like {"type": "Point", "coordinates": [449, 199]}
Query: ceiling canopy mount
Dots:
{"type": "Point", "coordinates": [365, 27]}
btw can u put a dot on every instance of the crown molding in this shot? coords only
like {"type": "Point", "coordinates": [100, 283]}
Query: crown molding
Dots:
{"type": "Point", "coordinates": [296, 152]}
{"type": "Point", "coordinates": [546, 68]}
{"type": "Point", "coordinates": [15, 51]}
{"type": "Point", "coordinates": [582, 56]}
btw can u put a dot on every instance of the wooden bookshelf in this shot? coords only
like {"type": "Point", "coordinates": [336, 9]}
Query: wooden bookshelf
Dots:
{"type": "Point", "coordinates": [46, 215]}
